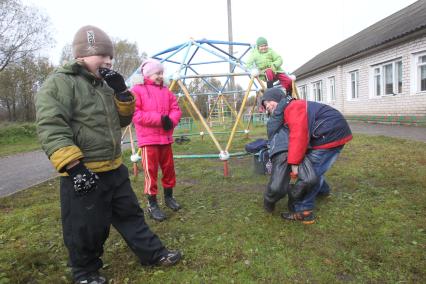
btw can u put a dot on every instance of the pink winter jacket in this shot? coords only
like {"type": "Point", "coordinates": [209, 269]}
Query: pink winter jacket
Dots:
{"type": "Point", "coordinates": [153, 101]}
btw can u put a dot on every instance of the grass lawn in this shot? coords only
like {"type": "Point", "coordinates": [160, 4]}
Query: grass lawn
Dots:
{"type": "Point", "coordinates": [371, 230]}
{"type": "Point", "coordinates": [17, 138]}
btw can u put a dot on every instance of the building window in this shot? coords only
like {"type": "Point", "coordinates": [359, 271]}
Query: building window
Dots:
{"type": "Point", "coordinates": [387, 78]}
{"type": "Point", "coordinates": [398, 75]}
{"type": "Point", "coordinates": [377, 81]}
{"type": "Point", "coordinates": [303, 92]}
{"type": "Point", "coordinates": [354, 84]}
{"type": "Point", "coordinates": [332, 88]}
{"type": "Point", "coordinates": [317, 90]}
{"type": "Point", "coordinates": [421, 71]}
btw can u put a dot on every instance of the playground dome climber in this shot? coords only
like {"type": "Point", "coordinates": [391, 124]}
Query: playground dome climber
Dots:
{"type": "Point", "coordinates": [207, 60]}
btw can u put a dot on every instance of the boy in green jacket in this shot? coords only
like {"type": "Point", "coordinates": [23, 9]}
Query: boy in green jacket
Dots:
{"type": "Point", "coordinates": [268, 62]}
{"type": "Point", "coordinates": [80, 110]}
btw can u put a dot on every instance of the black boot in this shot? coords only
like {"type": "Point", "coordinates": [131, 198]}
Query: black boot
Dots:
{"type": "Point", "coordinates": [268, 206]}
{"type": "Point", "coordinates": [169, 200]}
{"type": "Point", "coordinates": [269, 84]}
{"type": "Point", "coordinates": [154, 210]}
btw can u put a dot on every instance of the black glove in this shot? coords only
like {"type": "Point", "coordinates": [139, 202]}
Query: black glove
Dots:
{"type": "Point", "coordinates": [166, 122]}
{"type": "Point", "coordinates": [113, 79]}
{"type": "Point", "coordinates": [84, 180]}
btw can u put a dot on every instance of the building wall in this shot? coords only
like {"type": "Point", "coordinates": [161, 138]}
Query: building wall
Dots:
{"type": "Point", "coordinates": [408, 102]}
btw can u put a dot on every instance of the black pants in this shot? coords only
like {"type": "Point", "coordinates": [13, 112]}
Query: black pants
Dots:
{"type": "Point", "coordinates": [280, 177]}
{"type": "Point", "coordinates": [86, 222]}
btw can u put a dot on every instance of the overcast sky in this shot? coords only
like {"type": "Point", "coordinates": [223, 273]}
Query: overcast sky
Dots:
{"type": "Point", "coordinates": [297, 29]}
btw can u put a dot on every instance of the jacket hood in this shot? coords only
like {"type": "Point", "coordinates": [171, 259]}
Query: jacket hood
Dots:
{"type": "Point", "coordinates": [76, 67]}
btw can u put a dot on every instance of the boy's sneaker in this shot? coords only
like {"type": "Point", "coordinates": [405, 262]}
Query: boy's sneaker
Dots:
{"type": "Point", "coordinates": [170, 258]}
{"type": "Point", "coordinates": [155, 212]}
{"type": "Point", "coordinates": [306, 217]}
{"type": "Point", "coordinates": [94, 278]}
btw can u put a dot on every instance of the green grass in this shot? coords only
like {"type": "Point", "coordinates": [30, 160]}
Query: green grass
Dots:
{"type": "Point", "coordinates": [371, 230]}
{"type": "Point", "coordinates": [17, 138]}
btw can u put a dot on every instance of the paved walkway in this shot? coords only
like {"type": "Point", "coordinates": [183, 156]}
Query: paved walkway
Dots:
{"type": "Point", "coordinates": [22, 171]}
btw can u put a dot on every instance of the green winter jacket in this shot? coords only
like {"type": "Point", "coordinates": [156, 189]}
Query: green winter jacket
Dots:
{"type": "Point", "coordinates": [262, 61]}
{"type": "Point", "coordinates": [78, 117]}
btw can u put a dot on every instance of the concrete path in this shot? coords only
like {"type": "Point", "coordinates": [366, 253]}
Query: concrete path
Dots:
{"type": "Point", "coordinates": [24, 170]}
{"type": "Point", "coordinates": [18, 172]}
{"type": "Point", "coordinates": [398, 131]}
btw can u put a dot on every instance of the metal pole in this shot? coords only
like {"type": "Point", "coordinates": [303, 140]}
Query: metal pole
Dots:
{"type": "Point", "coordinates": [230, 39]}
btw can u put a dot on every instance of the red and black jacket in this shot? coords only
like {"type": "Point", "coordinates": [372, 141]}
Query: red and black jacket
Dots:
{"type": "Point", "coordinates": [313, 124]}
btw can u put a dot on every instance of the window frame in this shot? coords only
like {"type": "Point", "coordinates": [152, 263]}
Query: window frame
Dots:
{"type": "Point", "coordinates": [317, 92]}
{"type": "Point", "coordinates": [419, 66]}
{"type": "Point", "coordinates": [380, 79]}
{"type": "Point", "coordinates": [331, 86]}
{"type": "Point", "coordinates": [353, 95]}
{"type": "Point", "coordinates": [303, 92]}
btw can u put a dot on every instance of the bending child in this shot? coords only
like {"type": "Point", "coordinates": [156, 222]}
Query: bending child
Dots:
{"type": "Point", "coordinates": [315, 131]}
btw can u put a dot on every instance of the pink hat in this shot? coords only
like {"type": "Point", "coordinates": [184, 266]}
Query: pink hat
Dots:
{"type": "Point", "coordinates": [151, 66]}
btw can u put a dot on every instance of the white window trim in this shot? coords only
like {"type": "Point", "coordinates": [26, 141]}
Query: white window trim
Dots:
{"type": "Point", "coordinates": [414, 75]}
{"type": "Point", "coordinates": [305, 88]}
{"type": "Point", "coordinates": [372, 76]}
{"type": "Point", "coordinates": [320, 89]}
{"type": "Point", "coordinates": [330, 96]}
{"type": "Point", "coordinates": [349, 86]}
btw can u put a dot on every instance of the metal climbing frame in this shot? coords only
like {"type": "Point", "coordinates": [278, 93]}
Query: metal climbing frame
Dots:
{"type": "Point", "coordinates": [208, 59]}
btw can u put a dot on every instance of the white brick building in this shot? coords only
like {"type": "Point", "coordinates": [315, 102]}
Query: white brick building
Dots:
{"type": "Point", "coordinates": [378, 74]}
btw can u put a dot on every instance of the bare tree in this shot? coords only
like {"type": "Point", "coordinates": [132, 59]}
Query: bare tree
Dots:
{"type": "Point", "coordinates": [19, 84]}
{"type": "Point", "coordinates": [23, 30]}
{"type": "Point", "coordinates": [66, 54]}
{"type": "Point", "coordinates": [126, 57]}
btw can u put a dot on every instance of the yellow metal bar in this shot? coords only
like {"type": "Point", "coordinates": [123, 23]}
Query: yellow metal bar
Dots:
{"type": "Point", "coordinates": [261, 83]}
{"type": "Point", "coordinates": [188, 97]}
{"type": "Point", "coordinates": [231, 137]}
{"type": "Point", "coordinates": [233, 111]}
{"type": "Point", "coordinates": [185, 104]}
{"type": "Point", "coordinates": [252, 110]}
{"type": "Point", "coordinates": [173, 86]}
{"type": "Point", "coordinates": [214, 105]}
{"type": "Point", "coordinates": [124, 132]}
{"type": "Point", "coordinates": [132, 145]}
{"type": "Point", "coordinates": [294, 93]}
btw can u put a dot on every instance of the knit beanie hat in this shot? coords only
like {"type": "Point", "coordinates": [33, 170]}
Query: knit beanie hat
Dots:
{"type": "Point", "coordinates": [273, 94]}
{"type": "Point", "coordinates": [261, 41]}
{"type": "Point", "coordinates": [151, 66]}
{"type": "Point", "coordinates": [90, 40]}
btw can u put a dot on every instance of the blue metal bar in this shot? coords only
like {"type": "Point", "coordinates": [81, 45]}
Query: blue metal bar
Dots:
{"type": "Point", "coordinates": [207, 82]}
{"type": "Point", "coordinates": [201, 63]}
{"type": "Point", "coordinates": [229, 55]}
{"type": "Point", "coordinates": [223, 57]}
{"type": "Point", "coordinates": [222, 42]}
{"type": "Point", "coordinates": [177, 50]}
{"type": "Point", "coordinates": [170, 49]}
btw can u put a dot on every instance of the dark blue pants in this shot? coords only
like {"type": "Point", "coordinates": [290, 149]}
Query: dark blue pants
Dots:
{"type": "Point", "coordinates": [322, 160]}
{"type": "Point", "coordinates": [86, 222]}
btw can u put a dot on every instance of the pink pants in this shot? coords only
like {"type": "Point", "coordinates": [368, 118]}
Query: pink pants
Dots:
{"type": "Point", "coordinates": [152, 157]}
{"type": "Point", "coordinates": [285, 80]}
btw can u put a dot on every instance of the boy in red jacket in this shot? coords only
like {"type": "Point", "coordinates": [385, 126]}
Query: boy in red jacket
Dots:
{"type": "Point", "coordinates": [321, 128]}
{"type": "Point", "coordinates": [156, 115]}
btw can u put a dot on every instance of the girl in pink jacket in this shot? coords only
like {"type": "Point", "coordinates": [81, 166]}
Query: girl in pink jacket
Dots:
{"type": "Point", "coordinates": [156, 115]}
